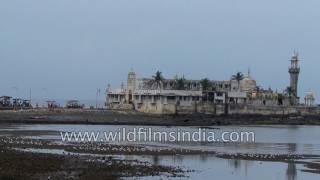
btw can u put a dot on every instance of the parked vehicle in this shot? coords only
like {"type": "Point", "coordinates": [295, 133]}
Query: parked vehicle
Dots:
{"type": "Point", "coordinates": [5, 103]}
{"type": "Point", "coordinates": [74, 104]}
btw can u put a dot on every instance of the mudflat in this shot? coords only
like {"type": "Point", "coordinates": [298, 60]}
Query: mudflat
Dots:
{"type": "Point", "coordinates": [16, 162]}
{"type": "Point", "coordinates": [135, 118]}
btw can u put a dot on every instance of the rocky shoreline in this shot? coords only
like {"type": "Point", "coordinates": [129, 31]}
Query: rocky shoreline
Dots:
{"type": "Point", "coordinates": [135, 118]}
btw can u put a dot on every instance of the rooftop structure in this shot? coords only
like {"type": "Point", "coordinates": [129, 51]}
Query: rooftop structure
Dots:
{"type": "Point", "coordinates": [309, 98]}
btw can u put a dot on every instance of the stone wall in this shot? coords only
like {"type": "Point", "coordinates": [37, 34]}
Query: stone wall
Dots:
{"type": "Point", "coordinates": [263, 110]}
{"type": "Point", "coordinates": [158, 107]}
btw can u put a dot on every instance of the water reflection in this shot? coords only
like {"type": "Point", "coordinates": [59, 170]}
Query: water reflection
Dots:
{"type": "Point", "coordinates": [234, 163]}
{"type": "Point", "coordinates": [203, 157]}
{"type": "Point", "coordinates": [237, 165]}
{"type": "Point", "coordinates": [292, 169]}
{"type": "Point", "coordinates": [208, 166]}
{"type": "Point", "coordinates": [156, 160]}
{"type": "Point", "coordinates": [270, 139]}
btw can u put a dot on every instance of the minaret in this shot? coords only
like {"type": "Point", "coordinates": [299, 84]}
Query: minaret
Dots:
{"type": "Point", "coordinates": [131, 85]}
{"type": "Point", "coordinates": [294, 71]}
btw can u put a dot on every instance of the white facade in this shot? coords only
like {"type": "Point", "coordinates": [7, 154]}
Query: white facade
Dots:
{"type": "Point", "coordinates": [144, 96]}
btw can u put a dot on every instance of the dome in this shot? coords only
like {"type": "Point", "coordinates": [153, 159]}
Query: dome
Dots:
{"type": "Point", "coordinates": [309, 94]}
{"type": "Point", "coordinates": [309, 98]}
{"type": "Point", "coordinates": [248, 83]}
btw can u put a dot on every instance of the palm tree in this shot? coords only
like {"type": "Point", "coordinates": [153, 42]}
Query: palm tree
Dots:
{"type": "Point", "coordinates": [258, 90]}
{"type": "Point", "coordinates": [280, 99]}
{"type": "Point", "coordinates": [157, 79]}
{"type": "Point", "coordinates": [289, 90]}
{"type": "Point", "coordinates": [205, 83]}
{"type": "Point", "coordinates": [238, 77]}
{"type": "Point", "coordinates": [290, 93]}
{"type": "Point", "coordinates": [179, 84]}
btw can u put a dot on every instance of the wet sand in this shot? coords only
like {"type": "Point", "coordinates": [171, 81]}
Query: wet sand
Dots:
{"type": "Point", "coordinates": [17, 163]}
{"type": "Point", "coordinates": [96, 160]}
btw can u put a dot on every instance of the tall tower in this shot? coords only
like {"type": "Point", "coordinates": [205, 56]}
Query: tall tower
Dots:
{"type": "Point", "coordinates": [294, 71]}
{"type": "Point", "coordinates": [131, 85]}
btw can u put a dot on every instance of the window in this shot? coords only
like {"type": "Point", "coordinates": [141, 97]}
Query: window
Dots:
{"type": "Point", "coordinates": [219, 94]}
{"type": "Point", "coordinates": [156, 98]}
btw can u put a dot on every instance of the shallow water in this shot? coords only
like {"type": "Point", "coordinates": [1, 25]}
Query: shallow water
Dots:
{"type": "Point", "coordinates": [210, 167]}
{"type": "Point", "coordinates": [269, 139]}
{"type": "Point", "coordinates": [277, 139]}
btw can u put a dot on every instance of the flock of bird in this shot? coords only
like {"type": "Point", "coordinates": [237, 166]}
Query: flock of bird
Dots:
{"type": "Point", "coordinates": [260, 156]}
{"type": "Point", "coordinates": [80, 147]}
{"type": "Point", "coordinates": [20, 141]}
{"type": "Point", "coordinates": [124, 149]}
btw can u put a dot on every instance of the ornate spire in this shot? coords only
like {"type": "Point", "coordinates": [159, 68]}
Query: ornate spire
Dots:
{"type": "Point", "coordinates": [295, 53]}
{"type": "Point", "coordinates": [122, 85]}
{"type": "Point", "coordinates": [131, 71]}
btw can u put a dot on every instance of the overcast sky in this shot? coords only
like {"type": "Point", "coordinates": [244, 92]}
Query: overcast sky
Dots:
{"type": "Point", "coordinates": [67, 49]}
